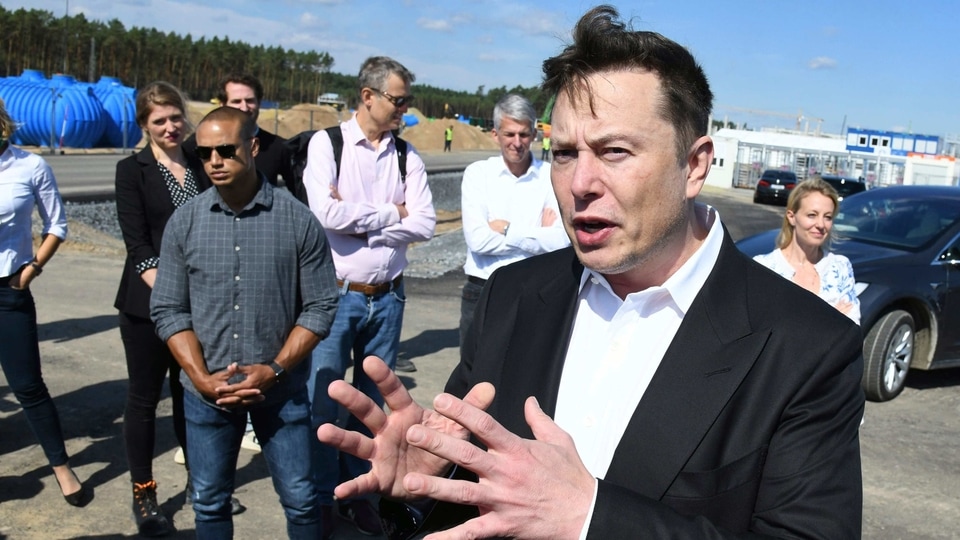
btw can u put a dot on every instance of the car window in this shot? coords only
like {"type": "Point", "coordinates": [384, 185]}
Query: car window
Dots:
{"type": "Point", "coordinates": [845, 186]}
{"type": "Point", "coordinates": [895, 221]}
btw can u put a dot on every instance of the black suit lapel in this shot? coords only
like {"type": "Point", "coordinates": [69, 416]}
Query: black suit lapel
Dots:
{"type": "Point", "coordinates": [712, 352]}
{"type": "Point", "coordinates": [538, 348]}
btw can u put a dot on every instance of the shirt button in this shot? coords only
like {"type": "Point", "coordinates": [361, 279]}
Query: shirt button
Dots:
{"type": "Point", "coordinates": [235, 336]}
{"type": "Point", "coordinates": [236, 219]}
{"type": "Point", "coordinates": [236, 308]}
{"type": "Point", "coordinates": [236, 278]}
{"type": "Point", "coordinates": [236, 248]}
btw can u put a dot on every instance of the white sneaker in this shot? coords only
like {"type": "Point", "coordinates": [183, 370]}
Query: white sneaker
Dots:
{"type": "Point", "coordinates": [178, 457]}
{"type": "Point", "coordinates": [250, 442]}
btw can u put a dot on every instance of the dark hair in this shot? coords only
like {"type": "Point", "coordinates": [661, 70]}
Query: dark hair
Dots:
{"type": "Point", "coordinates": [248, 128]}
{"type": "Point", "coordinates": [158, 94]}
{"type": "Point", "coordinates": [239, 78]}
{"type": "Point", "coordinates": [377, 69]}
{"type": "Point", "coordinates": [602, 42]}
{"type": "Point", "coordinates": [814, 184]}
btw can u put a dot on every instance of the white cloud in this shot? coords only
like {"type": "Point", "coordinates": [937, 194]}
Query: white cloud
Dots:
{"type": "Point", "coordinates": [822, 62]}
{"type": "Point", "coordinates": [437, 25]}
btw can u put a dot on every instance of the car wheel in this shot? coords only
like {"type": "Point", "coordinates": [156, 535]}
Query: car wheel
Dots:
{"type": "Point", "coordinates": [887, 352]}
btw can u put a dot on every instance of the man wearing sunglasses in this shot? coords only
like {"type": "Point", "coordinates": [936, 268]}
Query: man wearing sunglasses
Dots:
{"type": "Point", "coordinates": [245, 290]}
{"type": "Point", "coordinates": [245, 92]}
{"type": "Point", "coordinates": [370, 214]}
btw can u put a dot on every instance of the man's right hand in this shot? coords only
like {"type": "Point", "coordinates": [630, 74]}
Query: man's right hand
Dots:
{"type": "Point", "coordinates": [390, 456]}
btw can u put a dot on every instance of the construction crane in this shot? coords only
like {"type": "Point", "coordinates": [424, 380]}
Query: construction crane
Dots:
{"type": "Point", "coordinates": [799, 117]}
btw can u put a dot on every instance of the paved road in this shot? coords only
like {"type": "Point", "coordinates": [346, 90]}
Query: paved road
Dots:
{"type": "Point", "coordinates": [910, 463]}
{"type": "Point", "coordinates": [91, 176]}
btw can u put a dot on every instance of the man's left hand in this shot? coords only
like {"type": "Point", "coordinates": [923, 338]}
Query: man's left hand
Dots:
{"type": "Point", "coordinates": [527, 488]}
{"type": "Point", "coordinates": [257, 378]}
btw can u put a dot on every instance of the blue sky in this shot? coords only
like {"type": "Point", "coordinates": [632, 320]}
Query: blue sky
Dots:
{"type": "Point", "coordinates": [880, 64]}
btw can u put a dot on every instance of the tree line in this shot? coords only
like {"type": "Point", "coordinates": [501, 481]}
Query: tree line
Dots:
{"type": "Point", "coordinates": [37, 39]}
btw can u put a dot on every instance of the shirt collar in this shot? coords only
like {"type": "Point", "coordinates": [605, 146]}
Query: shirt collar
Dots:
{"type": "Point", "coordinates": [263, 197]}
{"type": "Point", "coordinates": [535, 165]}
{"type": "Point", "coordinates": [684, 285]}
{"type": "Point", "coordinates": [354, 135]}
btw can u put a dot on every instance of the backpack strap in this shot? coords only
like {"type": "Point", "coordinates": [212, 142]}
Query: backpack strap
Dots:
{"type": "Point", "coordinates": [401, 146]}
{"type": "Point", "coordinates": [336, 140]}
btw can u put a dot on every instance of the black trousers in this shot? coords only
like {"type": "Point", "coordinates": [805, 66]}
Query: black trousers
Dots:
{"type": "Point", "coordinates": [148, 362]}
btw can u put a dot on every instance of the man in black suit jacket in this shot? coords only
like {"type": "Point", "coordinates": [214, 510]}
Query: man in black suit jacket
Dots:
{"type": "Point", "coordinates": [650, 382]}
{"type": "Point", "coordinates": [245, 92]}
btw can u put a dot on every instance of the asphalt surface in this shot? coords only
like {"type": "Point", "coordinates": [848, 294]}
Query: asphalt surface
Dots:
{"type": "Point", "coordinates": [91, 176]}
{"type": "Point", "coordinates": [910, 464]}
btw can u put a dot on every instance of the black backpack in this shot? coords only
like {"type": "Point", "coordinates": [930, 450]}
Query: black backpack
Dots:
{"type": "Point", "coordinates": [299, 144]}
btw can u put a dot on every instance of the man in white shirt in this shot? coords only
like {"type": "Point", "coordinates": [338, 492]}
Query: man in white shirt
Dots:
{"type": "Point", "coordinates": [508, 207]}
{"type": "Point", "coordinates": [650, 382]}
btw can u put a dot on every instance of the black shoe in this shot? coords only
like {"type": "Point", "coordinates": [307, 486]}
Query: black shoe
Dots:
{"type": "Point", "coordinates": [235, 506]}
{"type": "Point", "coordinates": [78, 498]}
{"type": "Point", "coordinates": [405, 365]}
{"type": "Point", "coordinates": [150, 519]}
{"type": "Point", "coordinates": [362, 514]}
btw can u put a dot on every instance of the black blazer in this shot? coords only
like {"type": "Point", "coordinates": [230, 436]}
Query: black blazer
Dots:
{"type": "Point", "coordinates": [143, 208]}
{"type": "Point", "coordinates": [750, 424]}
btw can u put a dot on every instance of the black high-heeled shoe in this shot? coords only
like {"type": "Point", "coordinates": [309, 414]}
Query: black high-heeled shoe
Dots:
{"type": "Point", "coordinates": [78, 498]}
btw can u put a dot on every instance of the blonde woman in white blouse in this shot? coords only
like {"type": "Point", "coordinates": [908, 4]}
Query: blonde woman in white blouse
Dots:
{"type": "Point", "coordinates": [802, 253]}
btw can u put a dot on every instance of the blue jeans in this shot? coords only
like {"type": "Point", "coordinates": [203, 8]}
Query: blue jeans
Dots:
{"type": "Point", "coordinates": [213, 442]}
{"type": "Point", "coordinates": [20, 360]}
{"type": "Point", "coordinates": [364, 326]}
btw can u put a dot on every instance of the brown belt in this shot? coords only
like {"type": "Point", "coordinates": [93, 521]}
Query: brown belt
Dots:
{"type": "Point", "coordinates": [372, 290]}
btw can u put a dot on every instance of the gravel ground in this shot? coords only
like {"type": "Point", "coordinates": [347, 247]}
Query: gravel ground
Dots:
{"type": "Point", "coordinates": [93, 227]}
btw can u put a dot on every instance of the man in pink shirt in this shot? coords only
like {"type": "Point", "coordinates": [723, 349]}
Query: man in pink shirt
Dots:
{"type": "Point", "coordinates": [370, 214]}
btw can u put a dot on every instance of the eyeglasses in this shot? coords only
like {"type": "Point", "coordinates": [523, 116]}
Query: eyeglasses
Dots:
{"type": "Point", "coordinates": [225, 151]}
{"type": "Point", "coordinates": [397, 102]}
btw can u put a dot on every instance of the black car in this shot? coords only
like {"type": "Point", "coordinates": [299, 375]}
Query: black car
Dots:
{"type": "Point", "coordinates": [845, 185]}
{"type": "Point", "coordinates": [904, 244]}
{"type": "Point", "coordinates": [775, 186]}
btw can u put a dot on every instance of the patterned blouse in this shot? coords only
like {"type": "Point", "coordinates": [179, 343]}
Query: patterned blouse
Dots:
{"type": "Point", "coordinates": [836, 277]}
{"type": "Point", "coordinates": [179, 196]}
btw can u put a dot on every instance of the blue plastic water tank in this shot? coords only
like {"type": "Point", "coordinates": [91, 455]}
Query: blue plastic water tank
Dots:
{"type": "Point", "coordinates": [79, 115]}
{"type": "Point", "coordinates": [119, 105]}
{"type": "Point", "coordinates": [24, 99]}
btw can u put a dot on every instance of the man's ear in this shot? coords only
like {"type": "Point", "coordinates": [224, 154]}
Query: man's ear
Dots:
{"type": "Point", "coordinates": [699, 160]}
{"type": "Point", "coordinates": [254, 146]}
{"type": "Point", "coordinates": [366, 96]}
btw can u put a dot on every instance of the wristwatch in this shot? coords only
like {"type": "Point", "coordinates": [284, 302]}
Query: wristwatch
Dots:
{"type": "Point", "coordinates": [279, 373]}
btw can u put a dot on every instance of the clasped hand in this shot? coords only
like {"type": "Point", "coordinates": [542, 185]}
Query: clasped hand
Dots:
{"type": "Point", "coordinates": [256, 379]}
{"type": "Point", "coordinates": [527, 488]}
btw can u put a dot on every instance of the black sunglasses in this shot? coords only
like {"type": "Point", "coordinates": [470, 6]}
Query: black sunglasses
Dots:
{"type": "Point", "coordinates": [225, 151]}
{"type": "Point", "coordinates": [396, 101]}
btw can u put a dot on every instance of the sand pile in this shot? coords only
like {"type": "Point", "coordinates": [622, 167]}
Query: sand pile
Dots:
{"type": "Point", "coordinates": [428, 136]}
{"type": "Point", "coordinates": [425, 136]}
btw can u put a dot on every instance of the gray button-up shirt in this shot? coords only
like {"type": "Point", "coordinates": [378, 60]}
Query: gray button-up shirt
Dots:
{"type": "Point", "coordinates": [242, 281]}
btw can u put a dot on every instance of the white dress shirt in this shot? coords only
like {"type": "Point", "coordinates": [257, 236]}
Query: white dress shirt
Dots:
{"type": "Point", "coordinates": [490, 191]}
{"type": "Point", "coordinates": [26, 181]}
{"type": "Point", "coordinates": [616, 347]}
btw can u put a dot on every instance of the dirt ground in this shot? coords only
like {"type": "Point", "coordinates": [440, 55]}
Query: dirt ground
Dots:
{"type": "Point", "coordinates": [426, 136]}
